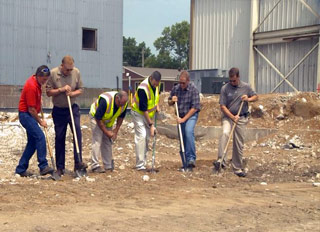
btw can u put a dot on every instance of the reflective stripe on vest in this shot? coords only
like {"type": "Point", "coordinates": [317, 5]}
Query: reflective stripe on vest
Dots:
{"type": "Point", "coordinates": [108, 117]}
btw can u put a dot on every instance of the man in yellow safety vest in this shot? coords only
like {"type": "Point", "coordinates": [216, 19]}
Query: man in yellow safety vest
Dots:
{"type": "Point", "coordinates": [145, 104]}
{"type": "Point", "coordinates": [104, 111]}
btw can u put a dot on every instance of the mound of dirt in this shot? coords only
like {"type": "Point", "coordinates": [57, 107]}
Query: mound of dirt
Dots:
{"type": "Point", "coordinates": [276, 110]}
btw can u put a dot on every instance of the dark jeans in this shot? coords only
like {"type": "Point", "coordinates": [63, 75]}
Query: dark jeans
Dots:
{"type": "Point", "coordinates": [61, 118]}
{"type": "Point", "coordinates": [36, 141]}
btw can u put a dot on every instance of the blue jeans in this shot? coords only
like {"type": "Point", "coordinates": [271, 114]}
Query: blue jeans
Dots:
{"type": "Point", "coordinates": [188, 137]}
{"type": "Point", "coordinates": [36, 141]}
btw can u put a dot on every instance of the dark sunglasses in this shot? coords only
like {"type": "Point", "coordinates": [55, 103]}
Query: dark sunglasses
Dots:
{"type": "Point", "coordinates": [182, 83]}
{"type": "Point", "coordinates": [232, 81]}
{"type": "Point", "coordinates": [69, 70]}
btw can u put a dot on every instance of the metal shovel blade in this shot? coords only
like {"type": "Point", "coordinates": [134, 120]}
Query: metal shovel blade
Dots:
{"type": "Point", "coordinates": [81, 172]}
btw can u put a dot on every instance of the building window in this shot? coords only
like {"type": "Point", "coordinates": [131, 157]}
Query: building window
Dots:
{"type": "Point", "coordinates": [89, 39]}
{"type": "Point", "coordinates": [162, 87]}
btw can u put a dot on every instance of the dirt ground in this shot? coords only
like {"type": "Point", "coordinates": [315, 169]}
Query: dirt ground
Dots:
{"type": "Point", "coordinates": [279, 193]}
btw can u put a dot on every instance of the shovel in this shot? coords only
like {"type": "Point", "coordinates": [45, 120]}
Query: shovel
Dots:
{"type": "Point", "coordinates": [54, 175]}
{"type": "Point", "coordinates": [154, 145]}
{"type": "Point", "coordinates": [80, 172]}
{"type": "Point", "coordinates": [182, 154]}
{"type": "Point", "coordinates": [219, 162]}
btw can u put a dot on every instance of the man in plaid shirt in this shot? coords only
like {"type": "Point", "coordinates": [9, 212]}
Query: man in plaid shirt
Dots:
{"type": "Point", "coordinates": [187, 96]}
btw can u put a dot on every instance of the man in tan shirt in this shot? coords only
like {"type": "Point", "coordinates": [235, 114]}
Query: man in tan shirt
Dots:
{"type": "Point", "coordinates": [64, 81]}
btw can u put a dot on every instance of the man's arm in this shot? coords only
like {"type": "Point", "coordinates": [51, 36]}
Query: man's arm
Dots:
{"type": "Point", "coordinates": [75, 93]}
{"type": "Point", "coordinates": [250, 99]}
{"type": "Point", "coordinates": [104, 129]}
{"type": "Point", "coordinates": [34, 114]}
{"type": "Point", "coordinates": [227, 112]}
{"type": "Point", "coordinates": [187, 116]}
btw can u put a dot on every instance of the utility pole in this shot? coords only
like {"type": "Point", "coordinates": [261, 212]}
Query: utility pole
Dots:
{"type": "Point", "coordinates": [142, 53]}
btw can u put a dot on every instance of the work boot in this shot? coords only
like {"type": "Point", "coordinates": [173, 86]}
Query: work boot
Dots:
{"type": "Point", "coordinates": [80, 166]}
{"type": "Point", "coordinates": [25, 174]}
{"type": "Point", "coordinates": [216, 165]}
{"type": "Point", "coordinates": [191, 164]}
{"type": "Point", "coordinates": [240, 173]}
{"type": "Point", "coordinates": [46, 170]}
{"type": "Point", "coordinates": [60, 172]}
{"type": "Point", "coordinates": [98, 170]}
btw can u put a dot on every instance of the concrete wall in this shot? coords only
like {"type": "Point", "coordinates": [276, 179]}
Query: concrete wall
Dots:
{"type": "Point", "coordinates": [10, 95]}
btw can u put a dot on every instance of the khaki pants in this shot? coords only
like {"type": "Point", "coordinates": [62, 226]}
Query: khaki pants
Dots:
{"type": "Point", "coordinates": [101, 146]}
{"type": "Point", "coordinates": [238, 141]}
{"type": "Point", "coordinates": [141, 138]}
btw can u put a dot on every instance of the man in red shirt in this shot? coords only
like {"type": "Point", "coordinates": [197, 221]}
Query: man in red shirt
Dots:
{"type": "Point", "coordinates": [29, 107]}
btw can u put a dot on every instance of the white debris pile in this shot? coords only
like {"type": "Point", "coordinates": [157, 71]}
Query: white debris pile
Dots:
{"type": "Point", "coordinates": [13, 138]}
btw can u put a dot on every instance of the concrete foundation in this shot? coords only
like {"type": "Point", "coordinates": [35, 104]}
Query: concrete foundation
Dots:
{"type": "Point", "coordinates": [171, 131]}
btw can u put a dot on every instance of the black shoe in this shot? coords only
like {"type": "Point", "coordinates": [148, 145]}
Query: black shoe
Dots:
{"type": "Point", "coordinates": [25, 174]}
{"type": "Point", "coordinates": [217, 165]}
{"type": "Point", "coordinates": [241, 174]}
{"type": "Point", "coordinates": [46, 170]}
{"type": "Point", "coordinates": [98, 170]}
{"type": "Point", "coordinates": [80, 166]}
{"type": "Point", "coordinates": [191, 164]}
{"type": "Point", "coordinates": [60, 172]}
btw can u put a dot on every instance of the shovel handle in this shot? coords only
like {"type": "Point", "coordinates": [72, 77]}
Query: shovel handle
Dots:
{"type": "Point", "coordinates": [179, 128]}
{"type": "Point", "coordinates": [231, 132]}
{"type": "Point", "coordinates": [47, 137]}
{"type": "Point", "coordinates": [73, 126]}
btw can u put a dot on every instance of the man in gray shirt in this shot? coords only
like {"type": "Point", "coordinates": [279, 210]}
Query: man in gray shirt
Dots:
{"type": "Point", "coordinates": [64, 81]}
{"type": "Point", "coordinates": [232, 94]}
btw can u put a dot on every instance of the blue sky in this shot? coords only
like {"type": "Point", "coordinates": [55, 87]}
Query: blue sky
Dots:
{"type": "Point", "coordinates": [145, 19]}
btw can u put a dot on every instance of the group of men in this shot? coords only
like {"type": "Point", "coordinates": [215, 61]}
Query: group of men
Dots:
{"type": "Point", "coordinates": [110, 107]}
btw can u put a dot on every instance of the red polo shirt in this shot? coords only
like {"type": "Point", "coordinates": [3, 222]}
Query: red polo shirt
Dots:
{"type": "Point", "coordinates": [31, 95]}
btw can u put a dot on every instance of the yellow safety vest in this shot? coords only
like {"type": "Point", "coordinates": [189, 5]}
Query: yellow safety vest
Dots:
{"type": "Point", "coordinates": [108, 117]}
{"type": "Point", "coordinates": [152, 100]}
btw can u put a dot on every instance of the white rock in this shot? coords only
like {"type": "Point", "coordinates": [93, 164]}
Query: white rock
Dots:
{"type": "Point", "coordinates": [131, 125]}
{"type": "Point", "coordinates": [76, 179]}
{"type": "Point", "coordinates": [316, 184]}
{"type": "Point", "coordinates": [263, 183]}
{"type": "Point", "coordinates": [318, 176]}
{"type": "Point", "coordinates": [304, 100]}
{"type": "Point", "coordinates": [261, 107]}
{"type": "Point", "coordinates": [90, 179]}
{"type": "Point", "coordinates": [122, 167]}
{"type": "Point", "coordinates": [146, 178]}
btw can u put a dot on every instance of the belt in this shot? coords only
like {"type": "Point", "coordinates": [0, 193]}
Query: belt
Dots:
{"type": "Point", "coordinates": [244, 114]}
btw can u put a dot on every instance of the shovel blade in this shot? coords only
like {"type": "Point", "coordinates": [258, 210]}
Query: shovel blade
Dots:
{"type": "Point", "coordinates": [81, 172]}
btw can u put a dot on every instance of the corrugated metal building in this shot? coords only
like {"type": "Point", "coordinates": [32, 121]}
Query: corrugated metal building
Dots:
{"type": "Point", "coordinates": [273, 42]}
{"type": "Point", "coordinates": [35, 32]}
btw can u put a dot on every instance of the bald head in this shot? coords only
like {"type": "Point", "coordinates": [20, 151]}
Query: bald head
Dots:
{"type": "Point", "coordinates": [67, 60]}
{"type": "Point", "coordinates": [67, 65]}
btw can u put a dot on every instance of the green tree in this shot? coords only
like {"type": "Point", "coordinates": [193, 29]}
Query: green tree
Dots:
{"type": "Point", "coordinates": [173, 47]}
{"type": "Point", "coordinates": [132, 53]}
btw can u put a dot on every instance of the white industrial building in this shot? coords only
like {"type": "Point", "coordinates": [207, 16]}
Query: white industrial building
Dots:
{"type": "Point", "coordinates": [275, 43]}
{"type": "Point", "coordinates": [36, 32]}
